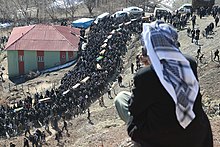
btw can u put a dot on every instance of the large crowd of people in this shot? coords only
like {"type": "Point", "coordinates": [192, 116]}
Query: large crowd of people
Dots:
{"type": "Point", "coordinates": [99, 62]}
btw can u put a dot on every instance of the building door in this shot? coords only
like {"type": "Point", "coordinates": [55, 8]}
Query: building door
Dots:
{"type": "Point", "coordinates": [40, 60]}
{"type": "Point", "coordinates": [21, 62]}
{"type": "Point", "coordinates": [62, 57]}
{"type": "Point", "coordinates": [70, 55]}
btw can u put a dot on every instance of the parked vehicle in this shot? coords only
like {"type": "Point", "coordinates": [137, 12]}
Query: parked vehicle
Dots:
{"type": "Point", "coordinates": [5, 25]}
{"type": "Point", "coordinates": [134, 11]}
{"type": "Point", "coordinates": [101, 17]}
{"type": "Point", "coordinates": [120, 14]}
{"type": "Point", "coordinates": [185, 8]}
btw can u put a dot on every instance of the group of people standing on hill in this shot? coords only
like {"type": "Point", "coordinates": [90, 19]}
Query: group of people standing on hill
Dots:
{"type": "Point", "coordinates": [194, 33]}
{"type": "Point", "coordinates": [178, 20]}
{"type": "Point", "coordinates": [164, 108]}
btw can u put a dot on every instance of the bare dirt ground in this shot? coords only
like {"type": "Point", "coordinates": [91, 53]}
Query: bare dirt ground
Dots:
{"type": "Point", "coordinates": [105, 128]}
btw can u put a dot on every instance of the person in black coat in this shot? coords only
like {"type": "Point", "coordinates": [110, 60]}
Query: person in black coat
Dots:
{"type": "Point", "coordinates": [193, 32]}
{"type": "Point", "coordinates": [120, 80]}
{"type": "Point", "coordinates": [216, 21]}
{"type": "Point", "coordinates": [197, 36]}
{"type": "Point", "coordinates": [154, 116]}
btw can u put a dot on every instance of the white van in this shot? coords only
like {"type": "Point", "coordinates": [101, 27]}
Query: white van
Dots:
{"type": "Point", "coordinates": [101, 17]}
{"type": "Point", "coordinates": [120, 14]}
{"type": "Point", "coordinates": [134, 11]}
{"type": "Point", "coordinates": [185, 8]}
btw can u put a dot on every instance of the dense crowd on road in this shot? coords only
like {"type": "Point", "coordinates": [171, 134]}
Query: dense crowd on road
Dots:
{"type": "Point", "coordinates": [99, 62]}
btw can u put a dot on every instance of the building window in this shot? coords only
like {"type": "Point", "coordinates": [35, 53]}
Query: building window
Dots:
{"type": "Point", "coordinates": [21, 58]}
{"type": "Point", "coordinates": [40, 58]}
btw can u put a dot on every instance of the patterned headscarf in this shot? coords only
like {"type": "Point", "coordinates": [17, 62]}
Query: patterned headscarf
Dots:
{"type": "Point", "coordinates": [172, 68]}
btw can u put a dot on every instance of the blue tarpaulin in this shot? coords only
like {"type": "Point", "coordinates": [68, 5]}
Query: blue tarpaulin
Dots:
{"type": "Point", "coordinates": [82, 23]}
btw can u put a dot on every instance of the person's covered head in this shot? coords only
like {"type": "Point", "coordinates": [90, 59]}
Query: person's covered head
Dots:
{"type": "Point", "coordinates": [159, 35]}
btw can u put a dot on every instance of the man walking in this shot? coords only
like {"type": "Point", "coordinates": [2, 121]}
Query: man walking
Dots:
{"type": "Point", "coordinates": [193, 32]}
{"type": "Point", "coordinates": [197, 36]}
{"type": "Point", "coordinates": [216, 54]}
{"type": "Point", "coordinates": [193, 21]}
{"type": "Point", "coordinates": [216, 21]}
{"type": "Point", "coordinates": [64, 126]}
{"type": "Point", "coordinates": [120, 80]}
{"type": "Point", "coordinates": [198, 52]}
{"type": "Point", "coordinates": [132, 68]}
{"type": "Point", "coordinates": [89, 114]}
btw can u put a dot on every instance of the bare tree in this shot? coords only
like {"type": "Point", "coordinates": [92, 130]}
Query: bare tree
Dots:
{"type": "Point", "coordinates": [22, 9]}
{"type": "Point", "coordinates": [39, 5]}
{"type": "Point", "coordinates": [70, 7]}
{"type": "Point", "coordinates": [143, 3]}
{"type": "Point", "coordinates": [134, 2]}
{"type": "Point", "coordinates": [50, 9]}
{"type": "Point", "coordinates": [4, 10]}
{"type": "Point", "coordinates": [90, 4]}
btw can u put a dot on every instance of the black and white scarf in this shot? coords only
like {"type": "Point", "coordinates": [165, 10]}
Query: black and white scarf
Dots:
{"type": "Point", "coordinates": [172, 68]}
